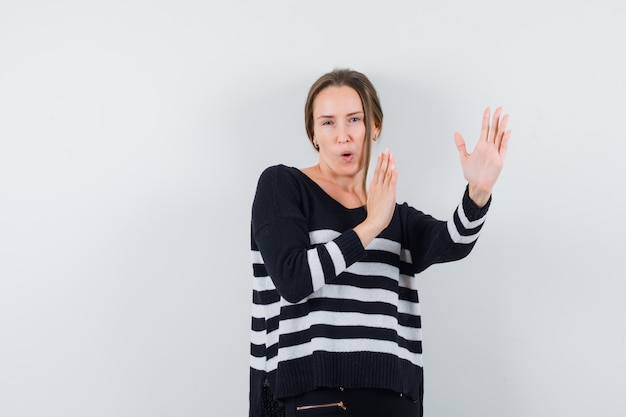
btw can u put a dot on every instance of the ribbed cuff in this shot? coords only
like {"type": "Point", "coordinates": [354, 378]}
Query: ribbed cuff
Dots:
{"type": "Point", "coordinates": [471, 210]}
{"type": "Point", "coordinates": [351, 247]}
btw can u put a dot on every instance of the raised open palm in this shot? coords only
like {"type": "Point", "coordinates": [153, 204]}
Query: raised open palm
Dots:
{"type": "Point", "coordinates": [483, 165]}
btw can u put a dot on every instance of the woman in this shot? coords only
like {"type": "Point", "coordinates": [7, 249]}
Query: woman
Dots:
{"type": "Point", "coordinates": [336, 327]}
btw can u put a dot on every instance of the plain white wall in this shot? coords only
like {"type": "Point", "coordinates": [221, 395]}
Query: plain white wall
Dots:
{"type": "Point", "coordinates": [132, 134]}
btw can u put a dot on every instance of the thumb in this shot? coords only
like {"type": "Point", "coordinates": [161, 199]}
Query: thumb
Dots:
{"type": "Point", "coordinates": [460, 144]}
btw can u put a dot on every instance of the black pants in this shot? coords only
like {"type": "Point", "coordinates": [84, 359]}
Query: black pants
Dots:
{"type": "Point", "coordinates": [352, 403]}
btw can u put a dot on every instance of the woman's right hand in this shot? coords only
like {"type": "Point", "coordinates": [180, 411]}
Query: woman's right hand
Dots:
{"type": "Point", "coordinates": [381, 199]}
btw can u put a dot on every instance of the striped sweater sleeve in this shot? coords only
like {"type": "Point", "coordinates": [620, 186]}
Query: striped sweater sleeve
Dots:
{"type": "Point", "coordinates": [433, 241]}
{"type": "Point", "coordinates": [280, 229]}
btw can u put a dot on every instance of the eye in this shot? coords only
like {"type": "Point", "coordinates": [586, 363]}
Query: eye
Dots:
{"type": "Point", "coordinates": [355, 119]}
{"type": "Point", "coordinates": [327, 123]}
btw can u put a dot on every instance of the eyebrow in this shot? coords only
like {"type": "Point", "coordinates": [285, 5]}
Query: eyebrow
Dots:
{"type": "Point", "coordinates": [347, 115]}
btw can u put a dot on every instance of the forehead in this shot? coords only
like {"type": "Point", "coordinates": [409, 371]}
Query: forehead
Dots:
{"type": "Point", "coordinates": [337, 101]}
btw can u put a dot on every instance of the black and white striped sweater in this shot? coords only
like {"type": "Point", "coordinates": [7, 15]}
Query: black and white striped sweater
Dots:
{"type": "Point", "coordinates": [328, 312]}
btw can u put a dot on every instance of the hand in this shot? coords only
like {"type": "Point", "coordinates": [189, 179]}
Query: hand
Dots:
{"type": "Point", "coordinates": [482, 167]}
{"type": "Point", "coordinates": [381, 199]}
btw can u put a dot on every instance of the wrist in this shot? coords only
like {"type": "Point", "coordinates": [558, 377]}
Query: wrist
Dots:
{"type": "Point", "coordinates": [480, 196]}
{"type": "Point", "coordinates": [366, 231]}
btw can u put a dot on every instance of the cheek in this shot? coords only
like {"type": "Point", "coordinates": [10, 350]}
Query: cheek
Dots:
{"type": "Point", "coordinates": [359, 132]}
{"type": "Point", "coordinates": [320, 135]}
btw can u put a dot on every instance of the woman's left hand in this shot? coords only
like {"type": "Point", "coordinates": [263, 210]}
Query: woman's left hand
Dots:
{"type": "Point", "coordinates": [482, 167]}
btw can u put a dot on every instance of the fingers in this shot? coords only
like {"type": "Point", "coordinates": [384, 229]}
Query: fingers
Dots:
{"type": "Point", "coordinates": [484, 131]}
{"type": "Point", "coordinates": [504, 145]}
{"type": "Point", "coordinates": [392, 172]}
{"type": "Point", "coordinates": [385, 172]}
{"type": "Point", "coordinates": [381, 167]}
{"type": "Point", "coordinates": [501, 131]}
{"type": "Point", "coordinates": [384, 166]}
{"type": "Point", "coordinates": [460, 144]}
{"type": "Point", "coordinates": [495, 125]}
{"type": "Point", "coordinates": [495, 131]}
{"type": "Point", "coordinates": [377, 173]}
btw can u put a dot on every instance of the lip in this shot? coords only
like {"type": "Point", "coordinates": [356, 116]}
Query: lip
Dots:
{"type": "Point", "coordinates": [347, 156]}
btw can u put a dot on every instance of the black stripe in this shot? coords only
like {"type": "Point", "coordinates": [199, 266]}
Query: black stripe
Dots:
{"type": "Point", "coordinates": [369, 281]}
{"type": "Point", "coordinates": [272, 351]}
{"type": "Point", "coordinates": [328, 267]}
{"type": "Point", "coordinates": [273, 323]}
{"type": "Point", "coordinates": [258, 324]}
{"type": "Point", "coordinates": [414, 346]}
{"type": "Point", "coordinates": [259, 270]}
{"type": "Point", "coordinates": [408, 294]}
{"type": "Point", "coordinates": [258, 351]}
{"type": "Point", "coordinates": [348, 332]}
{"type": "Point", "coordinates": [265, 297]}
{"type": "Point", "coordinates": [406, 268]}
{"type": "Point", "coordinates": [462, 230]}
{"type": "Point", "coordinates": [409, 320]}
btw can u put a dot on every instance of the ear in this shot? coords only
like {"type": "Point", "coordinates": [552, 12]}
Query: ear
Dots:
{"type": "Point", "coordinates": [375, 132]}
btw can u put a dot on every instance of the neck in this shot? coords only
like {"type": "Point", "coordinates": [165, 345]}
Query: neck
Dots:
{"type": "Point", "coordinates": [350, 183]}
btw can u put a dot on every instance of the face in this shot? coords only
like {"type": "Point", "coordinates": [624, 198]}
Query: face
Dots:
{"type": "Point", "coordinates": [339, 130]}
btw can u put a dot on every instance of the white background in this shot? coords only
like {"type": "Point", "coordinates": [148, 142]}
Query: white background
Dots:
{"type": "Point", "coordinates": [132, 134]}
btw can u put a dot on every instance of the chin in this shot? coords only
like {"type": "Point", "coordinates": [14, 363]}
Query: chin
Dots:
{"type": "Point", "coordinates": [351, 171]}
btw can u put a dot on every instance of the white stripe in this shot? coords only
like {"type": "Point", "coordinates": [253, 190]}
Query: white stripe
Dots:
{"type": "Point", "coordinates": [256, 257]}
{"type": "Point", "coordinates": [258, 338]}
{"type": "Point", "coordinates": [384, 245]}
{"type": "Point", "coordinates": [466, 222]}
{"type": "Point", "coordinates": [456, 236]}
{"type": "Point", "coordinates": [315, 266]}
{"type": "Point", "coordinates": [327, 235]}
{"type": "Point", "coordinates": [263, 283]}
{"type": "Point", "coordinates": [405, 256]}
{"type": "Point", "coordinates": [322, 236]}
{"type": "Point", "coordinates": [272, 363]}
{"type": "Point", "coordinates": [348, 292]}
{"type": "Point", "coordinates": [272, 338]}
{"type": "Point", "coordinates": [325, 318]}
{"type": "Point", "coordinates": [268, 339]}
{"type": "Point", "coordinates": [410, 333]}
{"type": "Point", "coordinates": [348, 345]}
{"type": "Point", "coordinates": [268, 311]}
{"type": "Point", "coordinates": [337, 257]}
{"type": "Point", "coordinates": [336, 319]}
{"type": "Point", "coordinates": [408, 281]}
{"type": "Point", "coordinates": [374, 268]}
{"type": "Point", "coordinates": [257, 363]}
{"type": "Point", "coordinates": [409, 307]}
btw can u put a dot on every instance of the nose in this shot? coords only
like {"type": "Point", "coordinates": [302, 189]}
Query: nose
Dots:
{"type": "Point", "coordinates": [342, 134]}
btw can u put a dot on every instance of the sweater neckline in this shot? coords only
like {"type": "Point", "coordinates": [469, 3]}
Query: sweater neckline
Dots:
{"type": "Point", "coordinates": [321, 190]}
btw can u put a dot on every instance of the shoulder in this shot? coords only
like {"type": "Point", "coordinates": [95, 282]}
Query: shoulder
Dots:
{"type": "Point", "coordinates": [279, 192]}
{"type": "Point", "coordinates": [278, 175]}
{"type": "Point", "coordinates": [281, 181]}
{"type": "Point", "coordinates": [279, 171]}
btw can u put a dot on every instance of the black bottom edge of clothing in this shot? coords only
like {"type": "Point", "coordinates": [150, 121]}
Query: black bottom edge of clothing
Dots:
{"type": "Point", "coordinates": [352, 403]}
